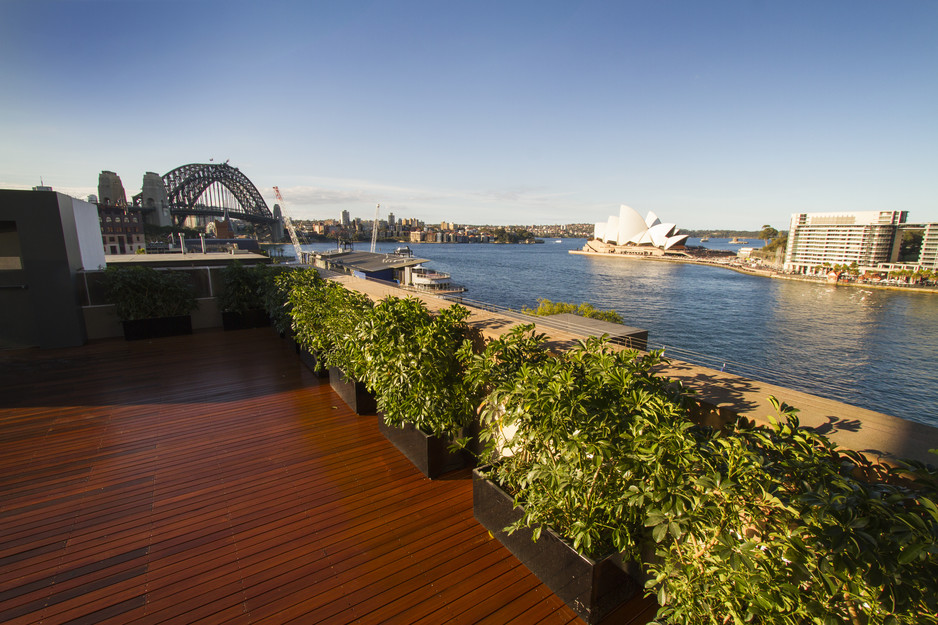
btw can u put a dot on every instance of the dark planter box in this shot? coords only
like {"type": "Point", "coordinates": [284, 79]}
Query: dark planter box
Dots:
{"type": "Point", "coordinates": [430, 454]}
{"type": "Point", "coordinates": [310, 359]}
{"type": "Point", "coordinates": [245, 320]}
{"type": "Point", "coordinates": [591, 588]}
{"type": "Point", "coordinates": [352, 392]}
{"type": "Point", "coordinates": [140, 329]}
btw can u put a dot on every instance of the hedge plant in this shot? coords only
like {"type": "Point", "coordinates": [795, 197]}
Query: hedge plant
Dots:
{"type": "Point", "coordinates": [546, 308]}
{"type": "Point", "coordinates": [769, 524]}
{"type": "Point", "coordinates": [280, 294]}
{"type": "Point", "coordinates": [325, 317]}
{"type": "Point", "coordinates": [244, 287]}
{"type": "Point", "coordinates": [573, 420]}
{"type": "Point", "coordinates": [139, 292]}
{"type": "Point", "coordinates": [787, 528]}
{"type": "Point", "coordinates": [412, 364]}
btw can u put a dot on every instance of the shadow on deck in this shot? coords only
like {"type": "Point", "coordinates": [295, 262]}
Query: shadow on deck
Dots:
{"type": "Point", "coordinates": [212, 478]}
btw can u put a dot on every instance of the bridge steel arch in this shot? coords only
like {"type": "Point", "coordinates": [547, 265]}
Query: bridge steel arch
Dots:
{"type": "Point", "coordinates": [186, 184]}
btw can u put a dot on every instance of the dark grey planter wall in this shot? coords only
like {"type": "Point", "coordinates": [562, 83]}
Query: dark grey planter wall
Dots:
{"type": "Point", "coordinates": [141, 329]}
{"type": "Point", "coordinates": [352, 393]}
{"type": "Point", "coordinates": [245, 320]}
{"type": "Point", "coordinates": [430, 454]}
{"type": "Point", "coordinates": [591, 588]}
{"type": "Point", "coordinates": [311, 360]}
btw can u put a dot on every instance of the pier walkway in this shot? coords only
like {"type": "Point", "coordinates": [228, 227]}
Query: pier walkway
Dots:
{"type": "Point", "coordinates": [212, 479]}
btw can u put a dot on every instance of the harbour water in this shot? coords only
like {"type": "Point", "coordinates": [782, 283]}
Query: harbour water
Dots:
{"type": "Point", "coordinates": [871, 348]}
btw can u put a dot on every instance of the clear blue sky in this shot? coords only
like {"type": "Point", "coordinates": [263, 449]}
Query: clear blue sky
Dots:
{"type": "Point", "coordinates": [728, 114]}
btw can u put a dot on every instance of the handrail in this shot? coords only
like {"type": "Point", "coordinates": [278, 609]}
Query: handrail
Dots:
{"type": "Point", "coordinates": [772, 376]}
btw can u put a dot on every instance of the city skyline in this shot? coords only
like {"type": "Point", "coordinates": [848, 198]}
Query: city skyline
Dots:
{"type": "Point", "coordinates": [712, 115]}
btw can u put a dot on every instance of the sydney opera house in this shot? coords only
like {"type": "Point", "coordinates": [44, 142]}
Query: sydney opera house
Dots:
{"type": "Point", "coordinates": [628, 233]}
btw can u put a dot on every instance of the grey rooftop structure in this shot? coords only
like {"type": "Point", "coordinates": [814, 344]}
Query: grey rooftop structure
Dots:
{"type": "Point", "coordinates": [370, 262]}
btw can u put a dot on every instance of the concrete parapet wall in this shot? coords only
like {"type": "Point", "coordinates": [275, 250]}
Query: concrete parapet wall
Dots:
{"type": "Point", "coordinates": [101, 321]}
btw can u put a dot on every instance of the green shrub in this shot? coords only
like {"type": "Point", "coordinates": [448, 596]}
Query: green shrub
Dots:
{"type": "Point", "coordinates": [787, 528]}
{"type": "Point", "coordinates": [413, 365]}
{"type": "Point", "coordinates": [280, 289]}
{"type": "Point", "coordinates": [325, 317]}
{"type": "Point", "coordinates": [546, 308]}
{"type": "Point", "coordinates": [500, 359]}
{"type": "Point", "coordinates": [243, 287]}
{"type": "Point", "coordinates": [145, 293]}
{"type": "Point", "coordinates": [769, 524]}
{"type": "Point", "coordinates": [570, 422]}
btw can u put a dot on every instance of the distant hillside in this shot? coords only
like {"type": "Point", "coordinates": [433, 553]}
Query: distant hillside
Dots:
{"type": "Point", "coordinates": [725, 234]}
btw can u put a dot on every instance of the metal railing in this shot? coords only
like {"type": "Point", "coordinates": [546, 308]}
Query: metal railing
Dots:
{"type": "Point", "coordinates": [793, 379]}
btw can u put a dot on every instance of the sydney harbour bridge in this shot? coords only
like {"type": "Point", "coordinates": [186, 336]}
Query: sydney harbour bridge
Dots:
{"type": "Point", "coordinates": [208, 190]}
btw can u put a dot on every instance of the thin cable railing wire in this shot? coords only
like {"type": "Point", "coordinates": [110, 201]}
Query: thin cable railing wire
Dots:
{"type": "Point", "coordinates": [746, 370]}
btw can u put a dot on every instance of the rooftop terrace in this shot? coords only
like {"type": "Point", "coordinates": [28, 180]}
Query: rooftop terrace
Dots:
{"type": "Point", "coordinates": [212, 478]}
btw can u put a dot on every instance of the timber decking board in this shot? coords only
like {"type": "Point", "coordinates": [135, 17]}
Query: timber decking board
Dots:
{"type": "Point", "coordinates": [211, 478]}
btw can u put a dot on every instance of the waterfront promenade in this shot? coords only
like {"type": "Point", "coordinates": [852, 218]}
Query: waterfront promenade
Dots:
{"type": "Point", "coordinates": [763, 271]}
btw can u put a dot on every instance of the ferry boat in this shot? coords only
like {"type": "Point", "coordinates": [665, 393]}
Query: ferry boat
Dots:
{"type": "Point", "coordinates": [704, 239]}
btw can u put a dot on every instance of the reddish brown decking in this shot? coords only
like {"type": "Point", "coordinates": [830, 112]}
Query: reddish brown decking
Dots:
{"type": "Point", "coordinates": [212, 479]}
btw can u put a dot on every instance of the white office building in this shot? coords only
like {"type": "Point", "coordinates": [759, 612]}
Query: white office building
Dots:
{"type": "Point", "coordinates": [867, 238]}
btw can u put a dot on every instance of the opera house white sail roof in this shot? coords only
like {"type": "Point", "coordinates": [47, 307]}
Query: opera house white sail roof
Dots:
{"type": "Point", "coordinates": [628, 228]}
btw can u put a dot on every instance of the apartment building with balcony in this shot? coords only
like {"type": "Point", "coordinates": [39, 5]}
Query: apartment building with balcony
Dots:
{"type": "Point", "coordinates": [867, 238]}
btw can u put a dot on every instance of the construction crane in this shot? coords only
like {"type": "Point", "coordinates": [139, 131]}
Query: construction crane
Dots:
{"type": "Point", "coordinates": [374, 230]}
{"type": "Point", "coordinates": [288, 223]}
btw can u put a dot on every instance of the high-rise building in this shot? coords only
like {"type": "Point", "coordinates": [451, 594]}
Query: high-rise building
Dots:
{"type": "Point", "coordinates": [346, 220]}
{"type": "Point", "coordinates": [866, 238]}
{"type": "Point", "coordinates": [391, 221]}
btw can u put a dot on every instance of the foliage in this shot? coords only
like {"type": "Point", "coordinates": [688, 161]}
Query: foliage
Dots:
{"type": "Point", "coordinates": [767, 233]}
{"type": "Point", "coordinates": [145, 293]}
{"type": "Point", "coordinates": [413, 365]}
{"type": "Point", "coordinates": [571, 422]}
{"type": "Point", "coordinates": [501, 358]}
{"type": "Point", "coordinates": [163, 233]}
{"type": "Point", "coordinates": [778, 242]}
{"type": "Point", "coordinates": [325, 317]}
{"type": "Point", "coordinates": [503, 235]}
{"type": "Point", "coordinates": [244, 287]}
{"type": "Point", "coordinates": [545, 308]}
{"type": "Point", "coordinates": [276, 294]}
{"type": "Point", "coordinates": [776, 525]}
{"type": "Point", "coordinates": [769, 524]}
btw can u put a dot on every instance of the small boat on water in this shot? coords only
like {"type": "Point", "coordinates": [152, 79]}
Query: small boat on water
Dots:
{"type": "Point", "coordinates": [558, 241]}
{"type": "Point", "coordinates": [704, 239]}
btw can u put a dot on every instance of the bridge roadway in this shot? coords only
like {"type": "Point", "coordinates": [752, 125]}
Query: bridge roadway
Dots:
{"type": "Point", "coordinates": [723, 396]}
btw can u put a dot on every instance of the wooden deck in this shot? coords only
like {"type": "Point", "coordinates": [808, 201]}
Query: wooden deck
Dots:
{"type": "Point", "coordinates": [212, 479]}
